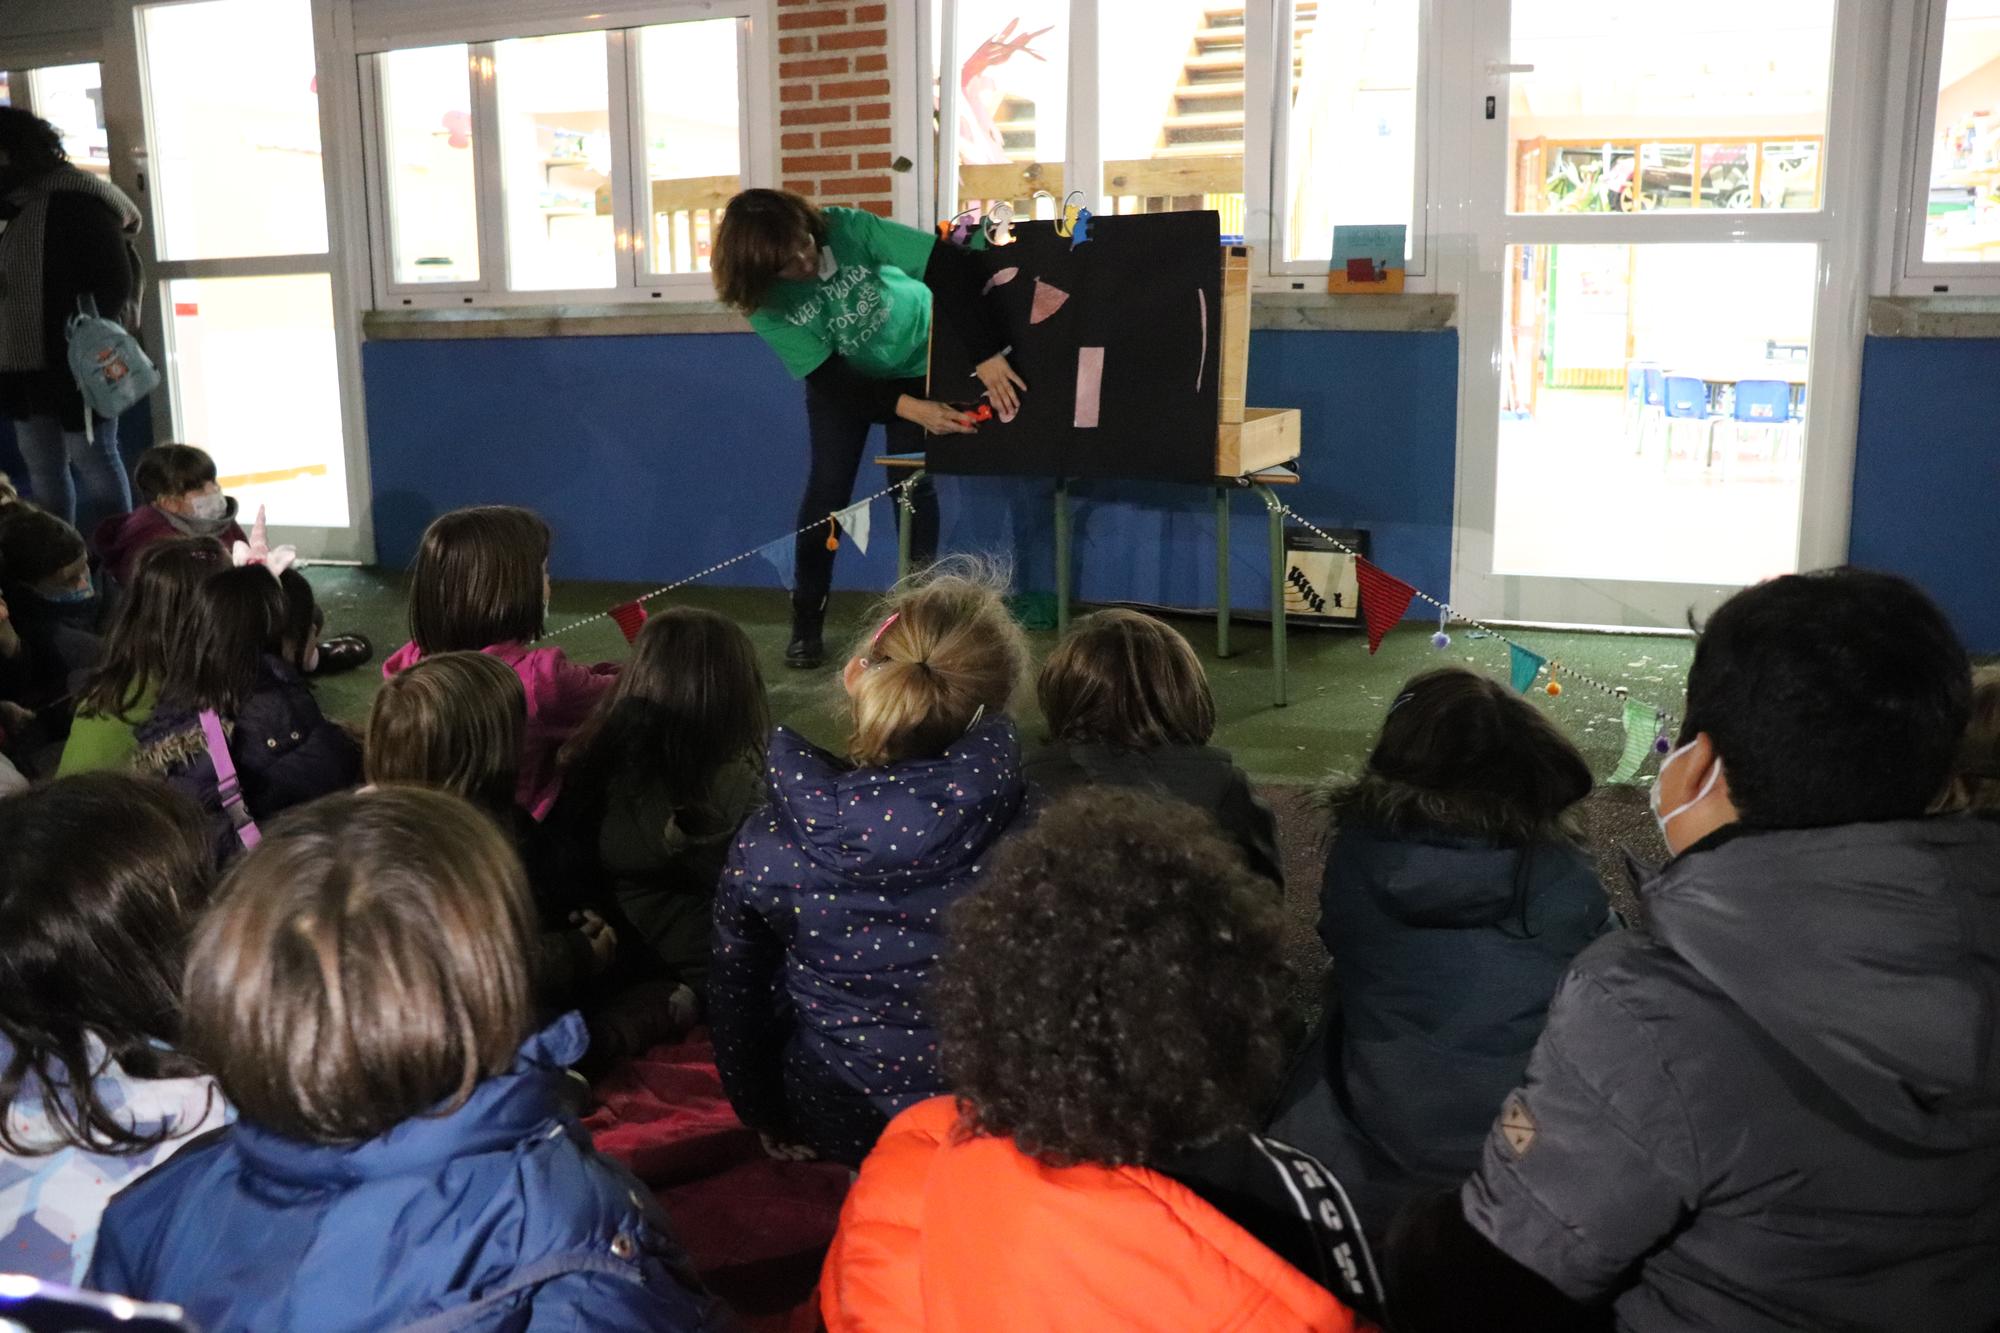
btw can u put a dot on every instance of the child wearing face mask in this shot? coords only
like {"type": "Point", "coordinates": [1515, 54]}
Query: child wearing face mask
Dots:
{"type": "Point", "coordinates": [178, 497]}
{"type": "Point", "coordinates": [53, 611]}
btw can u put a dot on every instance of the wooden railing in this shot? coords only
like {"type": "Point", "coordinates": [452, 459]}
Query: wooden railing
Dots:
{"type": "Point", "coordinates": [685, 215]}
{"type": "Point", "coordinates": [1134, 185]}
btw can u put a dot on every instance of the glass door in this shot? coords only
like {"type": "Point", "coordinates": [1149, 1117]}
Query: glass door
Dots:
{"type": "Point", "coordinates": [259, 355]}
{"type": "Point", "coordinates": [1664, 292]}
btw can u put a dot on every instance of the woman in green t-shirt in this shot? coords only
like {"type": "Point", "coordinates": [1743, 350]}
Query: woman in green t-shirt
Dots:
{"type": "Point", "coordinates": [845, 299]}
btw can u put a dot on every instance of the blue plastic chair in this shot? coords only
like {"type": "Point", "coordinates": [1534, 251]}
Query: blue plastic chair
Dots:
{"type": "Point", "coordinates": [1763, 408]}
{"type": "Point", "coordinates": [1650, 404]}
{"type": "Point", "coordinates": [1687, 401]}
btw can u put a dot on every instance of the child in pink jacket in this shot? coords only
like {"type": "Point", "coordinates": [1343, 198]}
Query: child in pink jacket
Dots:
{"type": "Point", "coordinates": [481, 584]}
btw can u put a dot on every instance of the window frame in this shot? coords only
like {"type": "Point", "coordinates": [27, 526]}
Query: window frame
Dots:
{"type": "Point", "coordinates": [1911, 274]}
{"type": "Point", "coordinates": [1266, 130]}
{"type": "Point", "coordinates": [635, 282]}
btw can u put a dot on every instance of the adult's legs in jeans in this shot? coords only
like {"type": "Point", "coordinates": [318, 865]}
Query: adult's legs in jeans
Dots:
{"type": "Point", "coordinates": [46, 452]}
{"type": "Point", "coordinates": [50, 452]}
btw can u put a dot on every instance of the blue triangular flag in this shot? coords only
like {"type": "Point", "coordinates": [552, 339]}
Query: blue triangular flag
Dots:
{"type": "Point", "coordinates": [782, 556]}
{"type": "Point", "coordinates": [1526, 665]}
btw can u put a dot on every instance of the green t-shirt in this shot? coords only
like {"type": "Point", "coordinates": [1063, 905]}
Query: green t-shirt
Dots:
{"type": "Point", "coordinates": [99, 743]}
{"type": "Point", "coordinates": [871, 305]}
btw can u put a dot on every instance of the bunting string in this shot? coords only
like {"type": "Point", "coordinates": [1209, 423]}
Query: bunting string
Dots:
{"type": "Point", "coordinates": [753, 553]}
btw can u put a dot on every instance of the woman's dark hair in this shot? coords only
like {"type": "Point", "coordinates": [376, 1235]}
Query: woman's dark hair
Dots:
{"type": "Point", "coordinates": [1839, 697]}
{"type": "Point", "coordinates": [157, 612]}
{"type": "Point", "coordinates": [239, 616]}
{"type": "Point", "coordinates": [168, 470]}
{"type": "Point", "coordinates": [34, 146]}
{"type": "Point", "coordinates": [1460, 753]}
{"type": "Point", "coordinates": [1113, 991]}
{"type": "Point", "coordinates": [762, 231]}
{"type": "Point", "coordinates": [105, 874]}
{"type": "Point", "coordinates": [478, 579]}
{"type": "Point", "coordinates": [453, 723]}
{"type": "Point", "coordinates": [1123, 678]}
{"type": "Point", "coordinates": [35, 545]}
{"type": "Point", "coordinates": [690, 701]}
{"type": "Point", "coordinates": [364, 964]}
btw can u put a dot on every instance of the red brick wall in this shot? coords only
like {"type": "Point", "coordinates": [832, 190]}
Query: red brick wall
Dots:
{"type": "Point", "coordinates": [833, 101]}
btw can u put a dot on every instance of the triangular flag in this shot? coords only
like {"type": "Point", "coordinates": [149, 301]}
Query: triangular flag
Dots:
{"type": "Point", "coordinates": [1384, 598]}
{"type": "Point", "coordinates": [782, 556]}
{"type": "Point", "coordinates": [1642, 723]}
{"type": "Point", "coordinates": [1525, 665]}
{"type": "Point", "coordinates": [855, 519]}
{"type": "Point", "coordinates": [630, 616]}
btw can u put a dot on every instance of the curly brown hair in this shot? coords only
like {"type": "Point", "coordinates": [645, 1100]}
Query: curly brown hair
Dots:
{"type": "Point", "coordinates": [1113, 992]}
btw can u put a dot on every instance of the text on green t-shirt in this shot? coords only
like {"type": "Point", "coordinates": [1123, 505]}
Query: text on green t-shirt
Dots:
{"type": "Point", "coordinates": [872, 309]}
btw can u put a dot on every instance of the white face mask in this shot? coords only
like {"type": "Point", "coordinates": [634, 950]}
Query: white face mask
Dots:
{"type": "Point", "coordinates": [209, 506]}
{"type": "Point", "coordinates": [310, 662]}
{"type": "Point", "coordinates": [1653, 796]}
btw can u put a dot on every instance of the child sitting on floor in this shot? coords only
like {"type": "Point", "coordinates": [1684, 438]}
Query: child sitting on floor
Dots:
{"type": "Point", "coordinates": [54, 611]}
{"type": "Point", "coordinates": [156, 611]}
{"type": "Point", "coordinates": [1111, 1011]}
{"type": "Point", "coordinates": [407, 1155]}
{"type": "Point", "coordinates": [178, 497]}
{"type": "Point", "coordinates": [481, 584]}
{"type": "Point", "coordinates": [1454, 900]}
{"type": "Point", "coordinates": [830, 916]}
{"type": "Point", "coordinates": [283, 749]}
{"type": "Point", "coordinates": [1127, 703]}
{"type": "Point", "coordinates": [453, 723]}
{"type": "Point", "coordinates": [105, 875]}
{"type": "Point", "coordinates": [659, 779]}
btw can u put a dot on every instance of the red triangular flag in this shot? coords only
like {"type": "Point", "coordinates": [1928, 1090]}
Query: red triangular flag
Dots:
{"type": "Point", "coordinates": [1384, 598]}
{"type": "Point", "coordinates": [630, 617]}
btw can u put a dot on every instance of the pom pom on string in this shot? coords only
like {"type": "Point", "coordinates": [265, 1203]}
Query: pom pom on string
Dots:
{"type": "Point", "coordinates": [1555, 689]}
{"type": "Point", "coordinates": [1661, 745]}
{"type": "Point", "coordinates": [832, 534]}
{"type": "Point", "coordinates": [1441, 640]}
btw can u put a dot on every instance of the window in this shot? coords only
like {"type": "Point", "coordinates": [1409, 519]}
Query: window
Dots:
{"type": "Point", "coordinates": [589, 163]}
{"type": "Point", "coordinates": [1185, 111]}
{"type": "Point", "coordinates": [1958, 158]}
{"type": "Point", "coordinates": [71, 98]}
{"type": "Point", "coordinates": [428, 161]}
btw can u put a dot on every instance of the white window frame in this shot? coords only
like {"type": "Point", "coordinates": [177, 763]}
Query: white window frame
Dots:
{"type": "Point", "coordinates": [1906, 168]}
{"type": "Point", "coordinates": [1266, 130]}
{"type": "Point", "coordinates": [635, 281]}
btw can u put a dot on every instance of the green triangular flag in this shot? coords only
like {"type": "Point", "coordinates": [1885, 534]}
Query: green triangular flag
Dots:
{"type": "Point", "coordinates": [1525, 665]}
{"type": "Point", "coordinates": [1642, 727]}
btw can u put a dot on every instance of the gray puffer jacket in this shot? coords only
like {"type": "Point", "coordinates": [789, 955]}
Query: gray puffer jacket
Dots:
{"type": "Point", "coordinates": [1779, 1106]}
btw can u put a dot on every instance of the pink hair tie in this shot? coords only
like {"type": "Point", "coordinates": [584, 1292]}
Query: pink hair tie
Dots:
{"type": "Point", "coordinates": [894, 616]}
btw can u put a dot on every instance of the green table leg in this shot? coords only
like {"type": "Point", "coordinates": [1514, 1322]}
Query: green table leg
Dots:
{"type": "Point", "coordinates": [1277, 511]}
{"type": "Point", "coordinates": [1062, 554]}
{"type": "Point", "coordinates": [905, 512]}
{"type": "Point", "coordinates": [1222, 571]}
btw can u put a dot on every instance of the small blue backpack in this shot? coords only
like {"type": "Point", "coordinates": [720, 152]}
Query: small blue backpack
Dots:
{"type": "Point", "coordinates": [111, 369]}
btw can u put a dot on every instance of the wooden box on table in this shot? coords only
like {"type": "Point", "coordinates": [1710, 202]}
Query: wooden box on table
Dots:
{"type": "Point", "coordinates": [1248, 439]}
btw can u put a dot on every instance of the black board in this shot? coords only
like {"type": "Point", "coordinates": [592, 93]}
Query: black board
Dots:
{"type": "Point", "coordinates": [1146, 289]}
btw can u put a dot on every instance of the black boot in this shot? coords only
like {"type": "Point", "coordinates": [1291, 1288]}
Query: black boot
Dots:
{"type": "Point", "coordinates": [806, 650]}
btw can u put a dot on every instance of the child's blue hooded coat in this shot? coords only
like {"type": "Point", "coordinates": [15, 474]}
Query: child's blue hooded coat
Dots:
{"type": "Point", "coordinates": [497, 1216]}
{"type": "Point", "coordinates": [829, 922]}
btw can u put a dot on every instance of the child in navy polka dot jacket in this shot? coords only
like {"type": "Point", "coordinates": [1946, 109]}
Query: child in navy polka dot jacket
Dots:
{"type": "Point", "coordinates": [830, 917]}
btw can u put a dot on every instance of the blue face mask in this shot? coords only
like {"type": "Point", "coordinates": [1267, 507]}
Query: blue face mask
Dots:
{"type": "Point", "coordinates": [70, 596]}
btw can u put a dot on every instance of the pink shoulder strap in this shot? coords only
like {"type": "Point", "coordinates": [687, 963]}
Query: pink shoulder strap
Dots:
{"type": "Point", "coordinates": [227, 785]}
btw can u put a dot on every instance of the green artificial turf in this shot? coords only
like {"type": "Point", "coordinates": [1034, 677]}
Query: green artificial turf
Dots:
{"type": "Point", "coordinates": [1338, 692]}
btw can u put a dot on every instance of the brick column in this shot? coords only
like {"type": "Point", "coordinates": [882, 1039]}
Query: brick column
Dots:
{"type": "Point", "coordinates": [833, 100]}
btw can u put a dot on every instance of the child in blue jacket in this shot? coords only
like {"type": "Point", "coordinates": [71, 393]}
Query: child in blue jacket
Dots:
{"type": "Point", "coordinates": [407, 1154]}
{"type": "Point", "coordinates": [830, 916]}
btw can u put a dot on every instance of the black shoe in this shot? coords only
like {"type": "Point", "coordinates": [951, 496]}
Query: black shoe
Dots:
{"type": "Point", "coordinates": [343, 652]}
{"type": "Point", "coordinates": [805, 651]}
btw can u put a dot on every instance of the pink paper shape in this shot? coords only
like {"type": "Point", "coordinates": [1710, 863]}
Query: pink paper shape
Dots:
{"type": "Point", "coordinates": [1000, 279]}
{"type": "Point", "coordinates": [1047, 301]}
{"type": "Point", "coordinates": [1089, 385]}
{"type": "Point", "coordinates": [1201, 366]}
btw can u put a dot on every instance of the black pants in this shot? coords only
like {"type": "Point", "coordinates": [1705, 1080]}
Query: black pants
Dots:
{"type": "Point", "coordinates": [839, 433]}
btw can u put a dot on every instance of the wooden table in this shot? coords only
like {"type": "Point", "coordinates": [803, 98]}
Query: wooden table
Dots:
{"type": "Point", "coordinates": [1259, 483]}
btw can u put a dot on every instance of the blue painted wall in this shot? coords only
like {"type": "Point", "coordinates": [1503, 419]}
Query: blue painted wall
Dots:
{"type": "Point", "coordinates": [1927, 474]}
{"type": "Point", "coordinates": [657, 456]}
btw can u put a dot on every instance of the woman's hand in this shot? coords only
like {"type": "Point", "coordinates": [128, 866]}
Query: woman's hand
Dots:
{"type": "Point", "coordinates": [936, 418]}
{"type": "Point", "coordinates": [1003, 386]}
{"type": "Point", "coordinates": [603, 939]}
{"type": "Point", "coordinates": [783, 1151]}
